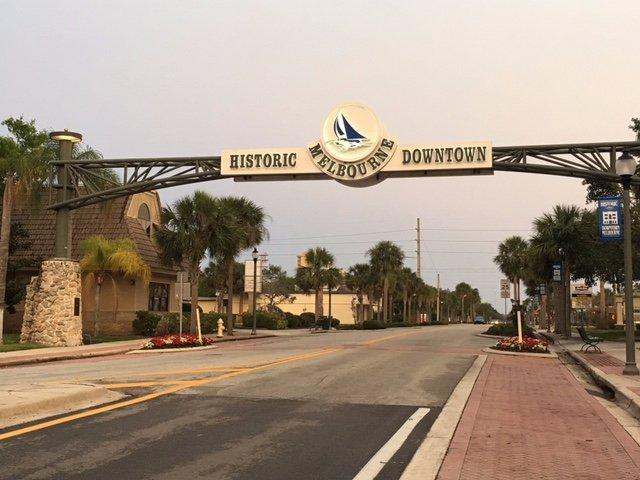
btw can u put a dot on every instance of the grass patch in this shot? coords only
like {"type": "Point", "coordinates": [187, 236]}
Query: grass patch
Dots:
{"type": "Point", "coordinates": [11, 343]}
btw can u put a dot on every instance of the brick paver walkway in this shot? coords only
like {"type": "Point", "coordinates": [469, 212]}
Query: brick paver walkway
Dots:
{"type": "Point", "coordinates": [530, 418]}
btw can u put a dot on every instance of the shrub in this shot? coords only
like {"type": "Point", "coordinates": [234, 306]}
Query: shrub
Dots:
{"type": "Point", "coordinates": [176, 341]}
{"type": "Point", "coordinates": [293, 321]}
{"type": "Point", "coordinates": [350, 326]}
{"type": "Point", "coordinates": [307, 319]}
{"type": "Point", "coordinates": [402, 324]}
{"type": "Point", "coordinates": [145, 323]}
{"type": "Point", "coordinates": [209, 322]}
{"type": "Point", "coordinates": [528, 344]}
{"type": "Point", "coordinates": [373, 325]}
{"type": "Point", "coordinates": [324, 322]}
{"type": "Point", "coordinates": [270, 321]}
{"type": "Point", "coordinates": [508, 330]}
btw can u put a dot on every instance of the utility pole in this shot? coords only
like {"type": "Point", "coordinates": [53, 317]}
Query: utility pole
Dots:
{"type": "Point", "coordinates": [438, 300]}
{"type": "Point", "coordinates": [418, 266]}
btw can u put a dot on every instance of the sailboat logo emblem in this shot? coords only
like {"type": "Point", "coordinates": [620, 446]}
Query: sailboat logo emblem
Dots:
{"type": "Point", "coordinates": [347, 137]}
{"type": "Point", "coordinates": [351, 132]}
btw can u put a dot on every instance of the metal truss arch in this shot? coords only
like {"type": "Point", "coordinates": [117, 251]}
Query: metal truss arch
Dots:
{"type": "Point", "coordinates": [82, 183]}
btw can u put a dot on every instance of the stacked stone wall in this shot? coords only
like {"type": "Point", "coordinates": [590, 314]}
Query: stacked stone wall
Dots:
{"type": "Point", "coordinates": [52, 310]}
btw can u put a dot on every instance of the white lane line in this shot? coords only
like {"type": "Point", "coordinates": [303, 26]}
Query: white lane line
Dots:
{"type": "Point", "coordinates": [380, 459]}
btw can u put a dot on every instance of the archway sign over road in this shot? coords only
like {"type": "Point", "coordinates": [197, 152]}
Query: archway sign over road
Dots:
{"type": "Point", "coordinates": [355, 149]}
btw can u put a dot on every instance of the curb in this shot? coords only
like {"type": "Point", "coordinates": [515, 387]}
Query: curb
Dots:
{"type": "Point", "coordinates": [67, 356]}
{"type": "Point", "coordinates": [621, 392]}
{"type": "Point", "coordinates": [77, 399]}
{"type": "Point", "coordinates": [171, 350]}
{"type": "Point", "coordinates": [520, 354]}
{"type": "Point", "coordinates": [427, 460]}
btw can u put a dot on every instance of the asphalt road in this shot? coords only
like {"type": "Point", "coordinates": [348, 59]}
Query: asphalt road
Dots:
{"type": "Point", "coordinates": [294, 407]}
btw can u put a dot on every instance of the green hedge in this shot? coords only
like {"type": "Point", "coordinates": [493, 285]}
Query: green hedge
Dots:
{"type": "Point", "coordinates": [270, 321]}
{"type": "Point", "coordinates": [508, 330]}
{"type": "Point", "coordinates": [373, 325]}
{"type": "Point", "coordinates": [145, 323]}
{"type": "Point", "coordinates": [351, 326]}
{"type": "Point", "coordinates": [209, 322]}
{"type": "Point", "coordinates": [402, 324]}
{"type": "Point", "coordinates": [307, 319]}
{"type": "Point", "coordinates": [151, 324]}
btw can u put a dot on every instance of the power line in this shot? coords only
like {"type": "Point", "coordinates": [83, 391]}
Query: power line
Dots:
{"type": "Point", "coordinates": [409, 230]}
{"type": "Point", "coordinates": [346, 234]}
{"type": "Point", "coordinates": [350, 242]}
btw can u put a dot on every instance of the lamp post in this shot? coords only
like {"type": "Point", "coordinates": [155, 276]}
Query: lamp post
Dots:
{"type": "Point", "coordinates": [65, 140]}
{"type": "Point", "coordinates": [626, 167]}
{"type": "Point", "coordinates": [462, 318]}
{"type": "Point", "coordinates": [254, 255]}
{"type": "Point", "coordinates": [566, 293]}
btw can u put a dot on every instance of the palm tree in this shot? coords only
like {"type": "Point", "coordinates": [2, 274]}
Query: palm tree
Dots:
{"type": "Point", "coordinates": [333, 277]}
{"type": "Point", "coordinates": [406, 280]}
{"type": "Point", "coordinates": [561, 234]}
{"type": "Point", "coordinates": [191, 227]}
{"type": "Point", "coordinates": [512, 261]}
{"type": "Point", "coordinates": [246, 227]}
{"type": "Point", "coordinates": [23, 168]}
{"type": "Point", "coordinates": [313, 277]}
{"type": "Point", "coordinates": [359, 280]}
{"type": "Point", "coordinates": [104, 258]}
{"type": "Point", "coordinates": [386, 260]}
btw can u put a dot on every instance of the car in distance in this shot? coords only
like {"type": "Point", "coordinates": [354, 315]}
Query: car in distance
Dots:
{"type": "Point", "coordinates": [479, 320]}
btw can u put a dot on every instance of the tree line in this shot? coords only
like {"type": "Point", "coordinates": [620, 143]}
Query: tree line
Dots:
{"type": "Point", "coordinates": [568, 235]}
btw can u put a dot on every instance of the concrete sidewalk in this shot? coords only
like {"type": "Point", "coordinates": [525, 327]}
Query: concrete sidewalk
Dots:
{"type": "Point", "coordinates": [49, 354]}
{"type": "Point", "coordinates": [530, 418]}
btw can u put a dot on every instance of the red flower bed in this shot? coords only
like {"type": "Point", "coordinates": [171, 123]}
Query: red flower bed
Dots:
{"type": "Point", "coordinates": [528, 344]}
{"type": "Point", "coordinates": [176, 341]}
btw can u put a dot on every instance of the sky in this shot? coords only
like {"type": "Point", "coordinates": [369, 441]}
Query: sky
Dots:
{"type": "Point", "coordinates": [188, 78]}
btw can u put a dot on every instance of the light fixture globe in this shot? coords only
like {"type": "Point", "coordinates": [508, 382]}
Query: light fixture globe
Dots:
{"type": "Point", "coordinates": [254, 254]}
{"type": "Point", "coordinates": [66, 135]}
{"type": "Point", "coordinates": [626, 165]}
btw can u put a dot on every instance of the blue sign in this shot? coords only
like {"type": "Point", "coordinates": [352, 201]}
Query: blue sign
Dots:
{"type": "Point", "coordinates": [557, 272]}
{"type": "Point", "coordinates": [610, 218]}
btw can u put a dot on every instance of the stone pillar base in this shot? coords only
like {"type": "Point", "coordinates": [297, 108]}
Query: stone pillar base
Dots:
{"type": "Point", "coordinates": [52, 313]}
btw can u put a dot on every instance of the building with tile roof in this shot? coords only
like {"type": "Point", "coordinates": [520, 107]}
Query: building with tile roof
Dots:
{"type": "Point", "coordinates": [135, 217]}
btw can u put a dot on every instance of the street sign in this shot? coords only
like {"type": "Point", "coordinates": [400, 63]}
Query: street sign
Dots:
{"type": "Point", "coordinates": [505, 288]}
{"type": "Point", "coordinates": [610, 218]}
{"type": "Point", "coordinates": [557, 272]}
{"type": "Point", "coordinates": [248, 276]}
{"type": "Point", "coordinates": [581, 297]}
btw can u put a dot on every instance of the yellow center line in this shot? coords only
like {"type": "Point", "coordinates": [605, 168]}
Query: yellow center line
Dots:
{"type": "Point", "coordinates": [178, 387]}
{"type": "Point", "coordinates": [143, 384]}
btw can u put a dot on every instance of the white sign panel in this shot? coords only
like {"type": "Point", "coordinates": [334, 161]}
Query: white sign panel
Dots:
{"type": "Point", "coordinates": [505, 288]}
{"type": "Point", "coordinates": [355, 149]}
{"type": "Point", "coordinates": [248, 277]}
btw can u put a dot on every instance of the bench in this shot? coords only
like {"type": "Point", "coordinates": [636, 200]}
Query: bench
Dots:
{"type": "Point", "coordinates": [589, 341]}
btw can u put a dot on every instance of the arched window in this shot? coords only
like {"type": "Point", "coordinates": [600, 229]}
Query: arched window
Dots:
{"type": "Point", "coordinates": [144, 213]}
{"type": "Point", "coordinates": [144, 217]}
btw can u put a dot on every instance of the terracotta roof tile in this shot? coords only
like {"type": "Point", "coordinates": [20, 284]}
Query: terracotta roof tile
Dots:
{"type": "Point", "coordinates": [108, 220]}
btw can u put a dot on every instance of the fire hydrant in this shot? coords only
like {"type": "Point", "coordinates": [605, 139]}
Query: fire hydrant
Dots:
{"type": "Point", "coordinates": [220, 328]}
